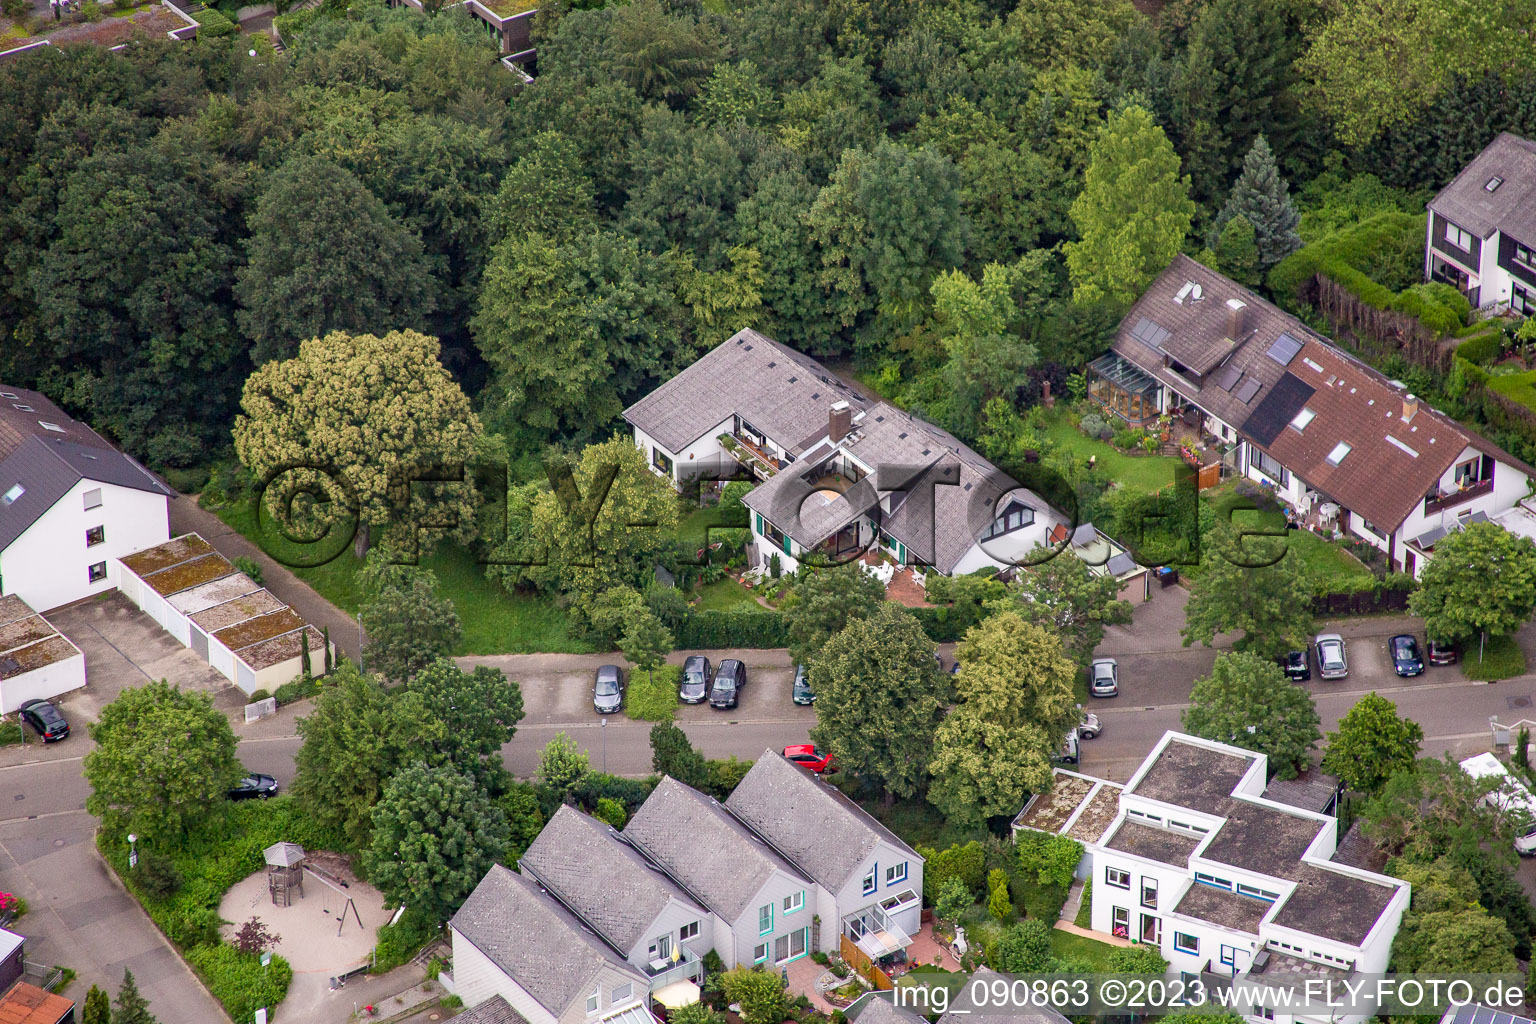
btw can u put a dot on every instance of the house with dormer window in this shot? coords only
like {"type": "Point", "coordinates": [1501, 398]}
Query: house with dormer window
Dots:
{"type": "Point", "coordinates": [1481, 236]}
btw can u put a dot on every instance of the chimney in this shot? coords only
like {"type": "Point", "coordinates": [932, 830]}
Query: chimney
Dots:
{"type": "Point", "coordinates": [1410, 407]}
{"type": "Point", "coordinates": [1236, 318]}
{"type": "Point", "coordinates": [839, 420]}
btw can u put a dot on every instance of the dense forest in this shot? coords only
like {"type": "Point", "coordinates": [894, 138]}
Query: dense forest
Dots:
{"type": "Point", "coordinates": [923, 190]}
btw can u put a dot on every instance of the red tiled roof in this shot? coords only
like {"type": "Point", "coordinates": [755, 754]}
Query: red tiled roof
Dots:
{"type": "Point", "coordinates": [28, 1004]}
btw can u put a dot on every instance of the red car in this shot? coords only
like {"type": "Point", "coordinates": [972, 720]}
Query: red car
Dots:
{"type": "Point", "coordinates": [807, 756]}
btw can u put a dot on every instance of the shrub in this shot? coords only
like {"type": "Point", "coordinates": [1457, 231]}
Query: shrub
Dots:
{"type": "Point", "coordinates": [998, 904]}
{"type": "Point", "coordinates": [735, 628]}
{"type": "Point", "coordinates": [652, 696]}
{"type": "Point", "coordinates": [1482, 347]}
{"type": "Point", "coordinates": [611, 811]}
{"type": "Point", "coordinates": [250, 568]}
{"type": "Point", "coordinates": [594, 787]}
{"type": "Point", "coordinates": [254, 937]}
{"type": "Point", "coordinates": [952, 900]}
{"type": "Point", "coordinates": [157, 876]}
{"type": "Point", "coordinates": [296, 690]}
{"type": "Point", "coordinates": [399, 942]}
{"type": "Point", "coordinates": [1093, 425]}
{"type": "Point", "coordinates": [193, 479]}
{"type": "Point", "coordinates": [725, 775]}
{"type": "Point", "coordinates": [257, 695]}
{"type": "Point", "coordinates": [213, 23]}
{"type": "Point", "coordinates": [239, 981]}
{"type": "Point", "coordinates": [967, 862]}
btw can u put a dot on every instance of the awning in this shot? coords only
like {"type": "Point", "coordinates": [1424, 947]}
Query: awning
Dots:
{"type": "Point", "coordinates": [676, 995]}
{"type": "Point", "coordinates": [877, 943]}
{"type": "Point", "coordinates": [636, 1014]}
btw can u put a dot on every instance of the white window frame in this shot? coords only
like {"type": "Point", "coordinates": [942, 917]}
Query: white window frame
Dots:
{"type": "Point", "coordinates": [1111, 873]}
{"type": "Point", "coordinates": [1459, 237]}
{"type": "Point", "coordinates": [95, 493]}
{"type": "Point", "coordinates": [1184, 942]}
{"type": "Point", "coordinates": [621, 993]}
{"type": "Point", "coordinates": [99, 540]}
{"type": "Point", "coordinates": [1148, 882]}
{"type": "Point", "coordinates": [891, 876]}
{"type": "Point", "coordinates": [794, 902]}
{"type": "Point", "coordinates": [867, 886]}
{"type": "Point", "coordinates": [594, 1001]}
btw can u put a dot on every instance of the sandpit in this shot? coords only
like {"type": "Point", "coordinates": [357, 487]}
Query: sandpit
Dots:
{"type": "Point", "coordinates": [307, 930]}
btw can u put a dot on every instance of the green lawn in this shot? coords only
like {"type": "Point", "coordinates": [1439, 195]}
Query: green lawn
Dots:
{"type": "Point", "coordinates": [723, 596]}
{"type": "Point", "coordinates": [1520, 387]}
{"type": "Point", "coordinates": [1143, 472]}
{"type": "Point", "coordinates": [1325, 561]}
{"type": "Point", "coordinates": [494, 621]}
{"type": "Point", "coordinates": [652, 697]}
{"type": "Point", "coordinates": [1502, 658]}
{"type": "Point", "coordinates": [1092, 951]}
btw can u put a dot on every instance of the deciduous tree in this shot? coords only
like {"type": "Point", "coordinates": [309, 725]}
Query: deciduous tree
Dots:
{"type": "Point", "coordinates": [1133, 212]}
{"type": "Point", "coordinates": [1482, 580]}
{"type": "Point", "coordinates": [1373, 744]}
{"type": "Point", "coordinates": [1016, 704]}
{"type": "Point", "coordinates": [879, 697]}
{"type": "Point", "coordinates": [473, 715]}
{"type": "Point", "coordinates": [407, 624]}
{"type": "Point", "coordinates": [435, 834]}
{"type": "Point", "coordinates": [824, 602]}
{"type": "Point", "coordinates": [1069, 600]}
{"type": "Point", "coordinates": [163, 761]}
{"type": "Point", "coordinates": [1270, 604]}
{"type": "Point", "coordinates": [562, 765]}
{"type": "Point", "coordinates": [646, 642]}
{"type": "Point", "coordinates": [1247, 701]}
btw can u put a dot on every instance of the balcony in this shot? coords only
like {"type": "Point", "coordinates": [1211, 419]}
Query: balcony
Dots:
{"type": "Point", "coordinates": [875, 933]}
{"type": "Point", "coordinates": [687, 967]}
{"type": "Point", "coordinates": [762, 464]}
{"type": "Point", "coordinates": [1441, 502]}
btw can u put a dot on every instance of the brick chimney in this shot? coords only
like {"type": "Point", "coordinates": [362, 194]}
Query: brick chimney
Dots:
{"type": "Point", "coordinates": [839, 420]}
{"type": "Point", "coordinates": [1410, 406]}
{"type": "Point", "coordinates": [1236, 318]}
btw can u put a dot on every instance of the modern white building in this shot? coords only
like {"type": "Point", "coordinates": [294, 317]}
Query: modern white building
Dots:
{"type": "Point", "coordinates": [1481, 235]}
{"type": "Point", "coordinates": [37, 662]}
{"type": "Point", "coordinates": [1226, 881]}
{"type": "Point", "coordinates": [1328, 435]}
{"type": "Point", "coordinates": [70, 504]}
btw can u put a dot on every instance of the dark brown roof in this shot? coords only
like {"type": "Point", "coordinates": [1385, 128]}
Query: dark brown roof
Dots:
{"type": "Point", "coordinates": [36, 409]}
{"type": "Point", "coordinates": [1511, 207]}
{"type": "Point", "coordinates": [1159, 844]}
{"type": "Point", "coordinates": [191, 573]}
{"type": "Point", "coordinates": [1223, 907]}
{"type": "Point", "coordinates": [1189, 775]}
{"type": "Point", "coordinates": [262, 627]}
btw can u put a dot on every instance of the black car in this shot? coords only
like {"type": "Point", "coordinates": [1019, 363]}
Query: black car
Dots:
{"type": "Point", "coordinates": [802, 692]}
{"type": "Point", "coordinates": [1298, 666]}
{"type": "Point", "coordinates": [695, 685]}
{"type": "Point", "coordinates": [1406, 660]}
{"type": "Point", "coordinates": [254, 786]}
{"type": "Point", "coordinates": [608, 690]}
{"type": "Point", "coordinates": [46, 719]}
{"type": "Point", "coordinates": [730, 677]}
{"type": "Point", "coordinates": [1441, 653]}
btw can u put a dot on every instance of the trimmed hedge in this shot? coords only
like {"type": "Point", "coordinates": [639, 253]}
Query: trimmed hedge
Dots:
{"type": "Point", "coordinates": [757, 629]}
{"type": "Point", "coordinates": [653, 697]}
{"type": "Point", "coordinates": [1482, 347]}
{"type": "Point", "coordinates": [212, 22]}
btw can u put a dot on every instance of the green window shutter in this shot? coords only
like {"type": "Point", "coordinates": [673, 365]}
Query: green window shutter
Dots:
{"type": "Point", "coordinates": [760, 522]}
{"type": "Point", "coordinates": [786, 545]}
{"type": "Point", "coordinates": [901, 553]}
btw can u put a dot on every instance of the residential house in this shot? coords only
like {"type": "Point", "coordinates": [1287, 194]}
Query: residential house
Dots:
{"type": "Point", "coordinates": [36, 661]}
{"type": "Point", "coordinates": [516, 942]}
{"type": "Point", "coordinates": [869, 883]}
{"type": "Point", "coordinates": [625, 899]}
{"type": "Point", "coordinates": [70, 504]}
{"type": "Point", "coordinates": [494, 1010]}
{"type": "Point", "coordinates": [761, 904]}
{"type": "Point", "coordinates": [964, 1008]}
{"type": "Point", "coordinates": [22, 1002]}
{"type": "Point", "coordinates": [838, 473]}
{"type": "Point", "coordinates": [1227, 881]}
{"type": "Point", "coordinates": [1481, 235]}
{"type": "Point", "coordinates": [1324, 431]}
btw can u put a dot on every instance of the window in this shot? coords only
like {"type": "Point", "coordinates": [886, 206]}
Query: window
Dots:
{"type": "Point", "coordinates": [1149, 892]}
{"type": "Point", "coordinates": [798, 943]}
{"type": "Point", "coordinates": [868, 885]}
{"type": "Point", "coordinates": [97, 572]}
{"type": "Point", "coordinates": [1120, 922]}
{"type": "Point", "coordinates": [896, 873]}
{"type": "Point", "coordinates": [781, 949]}
{"type": "Point", "coordinates": [1117, 877]}
{"type": "Point", "coordinates": [1457, 237]}
{"type": "Point", "coordinates": [621, 992]}
{"type": "Point", "coordinates": [1186, 943]}
{"type": "Point", "coordinates": [1256, 892]}
{"type": "Point", "coordinates": [50, 426]}
{"type": "Point", "coordinates": [1229, 956]}
{"type": "Point", "coordinates": [592, 1003]}
{"type": "Point", "coordinates": [9, 394]}
{"type": "Point", "coordinates": [1525, 257]}
{"type": "Point", "coordinates": [1339, 451]}
{"type": "Point", "coordinates": [1521, 300]}
{"type": "Point", "coordinates": [760, 952]}
{"type": "Point", "coordinates": [795, 902]}
{"type": "Point", "coordinates": [22, 408]}
{"type": "Point", "coordinates": [688, 931]}
{"type": "Point", "coordinates": [660, 460]}
{"type": "Point", "coordinates": [1270, 467]}
{"type": "Point", "coordinates": [10, 496]}
{"type": "Point", "coordinates": [93, 498]}
{"type": "Point", "coordinates": [95, 535]}
{"type": "Point", "coordinates": [1151, 929]}
{"type": "Point", "coordinates": [1220, 883]}
{"type": "Point", "coordinates": [1368, 527]}
{"type": "Point", "coordinates": [1302, 419]}
{"type": "Point", "coordinates": [1264, 1012]}
{"type": "Point", "coordinates": [765, 919]}
{"type": "Point", "coordinates": [1015, 517]}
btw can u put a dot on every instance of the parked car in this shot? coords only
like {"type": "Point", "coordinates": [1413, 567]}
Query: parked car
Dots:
{"type": "Point", "coordinates": [608, 689]}
{"type": "Point", "coordinates": [730, 678]}
{"type": "Point", "coordinates": [808, 756]}
{"type": "Point", "coordinates": [695, 685]}
{"type": "Point", "coordinates": [1332, 659]}
{"type": "Point", "coordinates": [1406, 660]}
{"type": "Point", "coordinates": [46, 719]}
{"type": "Point", "coordinates": [254, 786]}
{"type": "Point", "coordinates": [1441, 653]}
{"type": "Point", "coordinates": [1071, 749]}
{"type": "Point", "coordinates": [1104, 678]}
{"type": "Point", "coordinates": [1090, 728]}
{"type": "Point", "coordinates": [1297, 666]}
{"type": "Point", "coordinates": [802, 693]}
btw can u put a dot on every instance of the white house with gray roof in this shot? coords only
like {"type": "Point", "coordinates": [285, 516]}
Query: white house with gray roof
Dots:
{"type": "Point", "coordinates": [1226, 880]}
{"type": "Point", "coordinates": [869, 883]}
{"type": "Point", "coordinates": [513, 940]}
{"type": "Point", "coordinates": [613, 889]}
{"type": "Point", "coordinates": [761, 903]}
{"type": "Point", "coordinates": [1481, 236]}
{"type": "Point", "coordinates": [838, 473]}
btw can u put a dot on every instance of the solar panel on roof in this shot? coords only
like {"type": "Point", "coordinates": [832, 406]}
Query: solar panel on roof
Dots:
{"type": "Point", "coordinates": [1228, 376]}
{"type": "Point", "coordinates": [1149, 333]}
{"type": "Point", "coordinates": [1284, 349]}
{"type": "Point", "coordinates": [1247, 391]}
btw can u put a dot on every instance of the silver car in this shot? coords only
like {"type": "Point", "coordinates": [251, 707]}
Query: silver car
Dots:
{"type": "Point", "coordinates": [1332, 659]}
{"type": "Point", "coordinates": [1104, 678]}
{"type": "Point", "coordinates": [608, 690]}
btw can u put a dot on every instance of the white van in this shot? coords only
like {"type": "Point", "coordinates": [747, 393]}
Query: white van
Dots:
{"type": "Point", "coordinates": [1511, 794]}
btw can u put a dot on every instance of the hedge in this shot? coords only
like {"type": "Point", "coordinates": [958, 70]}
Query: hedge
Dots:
{"type": "Point", "coordinates": [397, 943]}
{"type": "Point", "coordinates": [757, 629]}
{"type": "Point", "coordinates": [239, 981]}
{"type": "Point", "coordinates": [652, 697]}
{"type": "Point", "coordinates": [212, 22]}
{"type": "Point", "coordinates": [291, 24]}
{"type": "Point", "coordinates": [1482, 347]}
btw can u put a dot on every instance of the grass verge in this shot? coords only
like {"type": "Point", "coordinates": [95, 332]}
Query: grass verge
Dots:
{"type": "Point", "coordinates": [1502, 659]}
{"type": "Point", "coordinates": [652, 696]}
{"type": "Point", "coordinates": [1087, 951]}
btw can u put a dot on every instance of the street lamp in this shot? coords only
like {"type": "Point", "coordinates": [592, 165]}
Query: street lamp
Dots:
{"type": "Point", "coordinates": [603, 722]}
{"type": "Point", "coordinates": [133, 853]}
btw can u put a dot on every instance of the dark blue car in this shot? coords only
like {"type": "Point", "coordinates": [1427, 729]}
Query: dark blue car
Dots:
{"type": "Point", "coordinates": [1406, 660]}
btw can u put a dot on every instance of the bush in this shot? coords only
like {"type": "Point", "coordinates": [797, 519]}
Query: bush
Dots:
{"type": "Point", "coordinates": [239, 981]}
{"type": "Point", "coordinates": [399, 942]}
{"type": "Point", "coordinates": [652, 697]}
{"type": "Point", "coordinates": [596, 786]}
{"type": "Point", "coordinates": [192, 479]}
{"type": "Point", "coordinates": [716, 629]}
{"type": "Point", "coordinates": [157, 876]}
{"type": "Point", "coordinates": [212, 23]}
{"type": "Point", "coordinates": [1093, 425]}
{"type": "Point", "coordinates": [725, 775]}
{"type": "Point", "coordinates": [1482, 347]}
{"type": "Point", "coordinates": [250, 568]}
{"type": "Point", "coordinates": [998, 904]}
{"type": "Point", "coordinates": [290, 25]}
{"type": "Point", "coordinates": [967, 862]}
{"type": "Point", "coordinates": [256, 695]}
{"type": "Point", "coordinates": [611, 811]}
{"type": "Point", "coordinates": [1502, 659]}
{"type": "Point", "coordinates": [296, 690]}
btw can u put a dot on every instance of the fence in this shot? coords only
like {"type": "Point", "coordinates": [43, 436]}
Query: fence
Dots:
{"type": "Point", "coordinates": [41, 975]}
{"type": "Point", "coordinates": [1379, 331]}
{"type": "Point", "coordinates": [261, 709]}
{"type": "Point", "coordinates": [1364, 602]}
{"type": "Point", "coordinates": [864, 965]}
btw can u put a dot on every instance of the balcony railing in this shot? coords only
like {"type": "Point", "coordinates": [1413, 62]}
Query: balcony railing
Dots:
{"type": "Point", "coordinates": [1440, 503]}
{"type": "Point", "coordinates": [688, 967]}
{"type": "Point", "coordinates": [749, 455]}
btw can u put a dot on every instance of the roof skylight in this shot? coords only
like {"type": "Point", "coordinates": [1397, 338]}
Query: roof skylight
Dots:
{"type": "Point", "coordinates": [1339, 451]}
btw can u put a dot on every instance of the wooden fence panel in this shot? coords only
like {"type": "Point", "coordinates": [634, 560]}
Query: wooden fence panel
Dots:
{"type": "Point", "coordinates": [864, 965]}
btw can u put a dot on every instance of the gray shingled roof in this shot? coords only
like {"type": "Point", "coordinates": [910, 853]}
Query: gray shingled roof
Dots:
{"type": "Point", "coordinates": [533, 939]}
{"type": "Point", "coordinates": [880, 1008]}
{"type": "Point", "coordinates": [494, 1010]}
{"type": "Point", "coordinates": [1511, 207]}
{"type": "Point", "coordinates": [698, 842]}
{"type": "Point", "coordinates": [810, 822]}
{"type": "Point", "coordinates": [603, 879]}
{"type": "Point", "coordinates": [778, 390]}
{"type": "Point", "coordinates": [964, 1010]}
